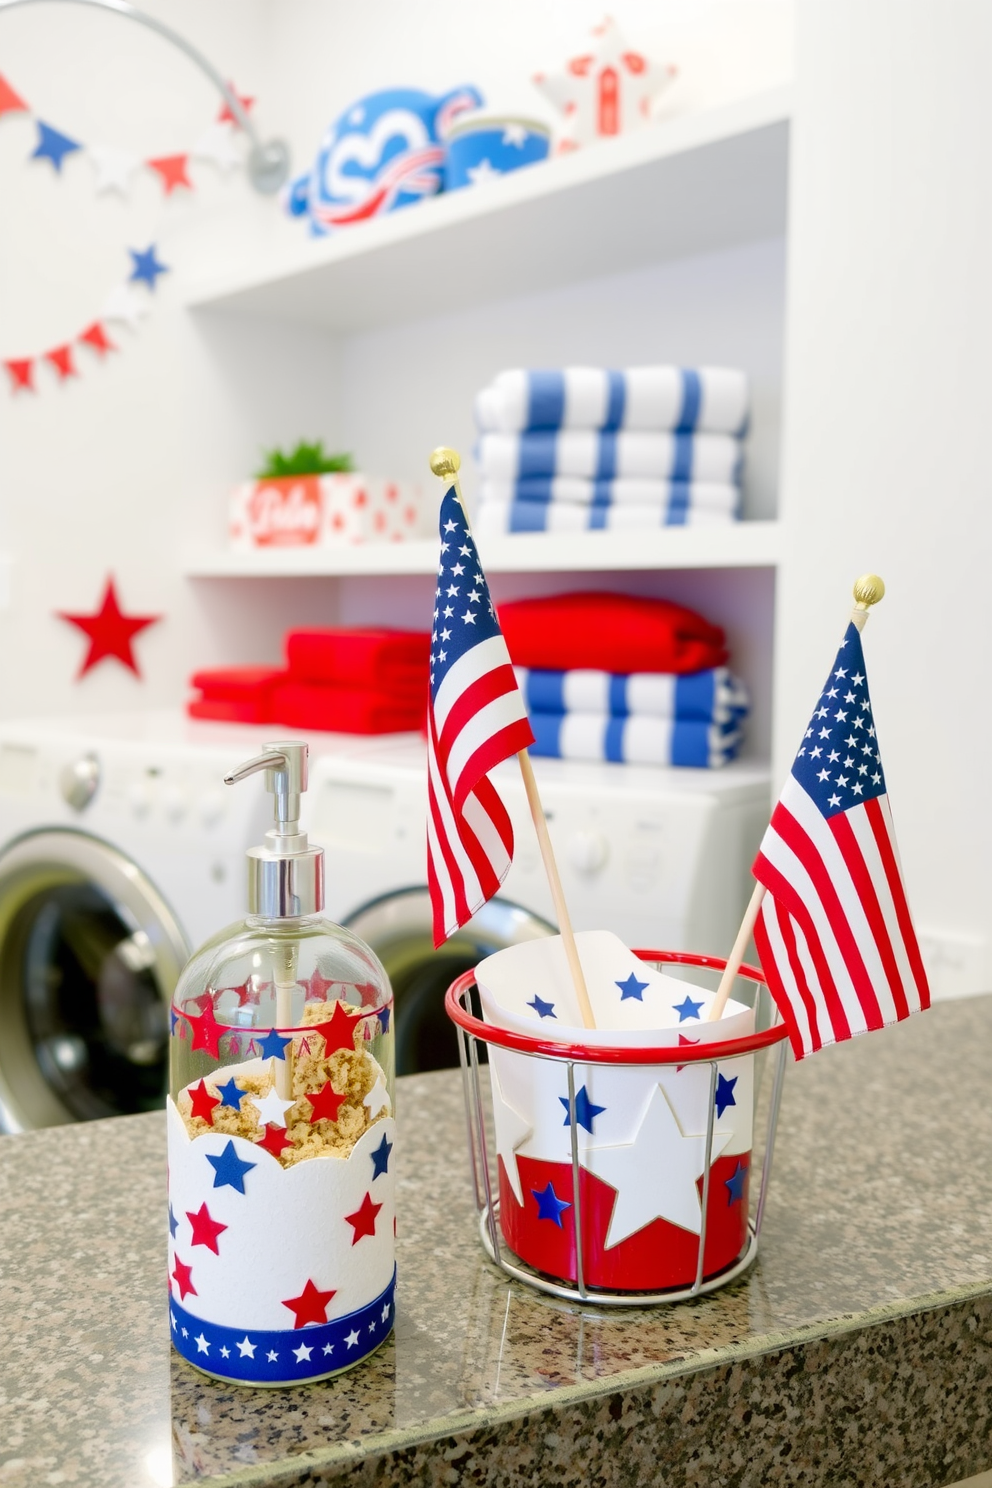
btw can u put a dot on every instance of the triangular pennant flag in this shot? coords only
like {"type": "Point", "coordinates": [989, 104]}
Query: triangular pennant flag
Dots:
{"type": "Point", "coordinates": [20, 373]}
{"type": "Point", "coordinates": [172, 169]}
{"type": "Point", "coordinates": [97, 337]}
{"type": "Point", "coordinates": [10, 102]}
{"type": "Point", "coordinates": [61, 359]}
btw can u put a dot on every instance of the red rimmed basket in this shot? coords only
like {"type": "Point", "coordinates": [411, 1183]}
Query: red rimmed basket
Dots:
{"type": "Point", "coordinates": [578, 1268]}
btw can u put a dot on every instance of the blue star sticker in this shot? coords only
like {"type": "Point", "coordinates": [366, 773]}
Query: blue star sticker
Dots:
{"type": "Point", "coordinates": [173, 1223]}
{"type": "Point", "coordinates": [173, 1020]}
{"type": "Point", "coordinates": [549, 1205]}
{"type": "Point", "coordinates": [380, 1158]}
{"type": "Point", "coordinates": [273, 1045]}
{"type": "Point", "coordinates": [735, 1184]}
{"type": "Point", "coordinates": [687, 1009]}
{"type": "Point", "coordinates": [230, 1095]}
{"type": "Point", "coordinates": [585, 1111]}
{"type": "Point", "coordinates": [631, 988]}
{"type": "Point", "coordinates": [229, 1170]}
{"type": "Point", "coordinates": [146, 266]}
{"type": "Point", "coordinates": [724, 1093]}
{"type": "Point", "coordinates": [383, 1016]}
{"type": "Point", "coordinates": [543, 1009]}
{"type": "Point", "coordinates": [52, 145]}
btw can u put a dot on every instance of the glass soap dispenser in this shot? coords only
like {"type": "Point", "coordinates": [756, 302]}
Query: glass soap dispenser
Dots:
{"type": "Point", "coordinates": [280, 1125]}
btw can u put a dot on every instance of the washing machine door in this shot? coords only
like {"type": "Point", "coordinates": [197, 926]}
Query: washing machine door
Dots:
{"type": "Point", "coordinates": [398, 928]}
{"type": "Point", "coordinates": [89, 956]}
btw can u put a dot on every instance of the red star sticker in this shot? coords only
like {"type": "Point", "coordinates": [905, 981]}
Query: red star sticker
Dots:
{"type": "Point", "coordinates": [363, 1218]}
{"type": "Point", "coordinates": [20, 373]}
{"type": "Point", "coordinates": [205, 1229]}
{"type": "Point", "coordinates": [97, 337]}
{"type": "Point", "coordinates": [110, 631]}
{"type": "Point", "coordinates": [326, 1103]}
{"type": "Point", "coordinates": [207, 1032]}
{"type": "Point", "coordinates": [226, 116]}
{"type": "Point", "coordinates": [317, 986]}
{"type": "Point", "coordinates": [275, 1140]}
{"type": "Point", "coordinates": [310, 1306]}
{"type": "Point", "coordinates": [339, 1030]}
{"type": "Point", "coordinates": [172, 169]}
{"type": "Point", "coordinates": [203, 1102]}
{"type": "Point", "coordinates": [183, 1277]}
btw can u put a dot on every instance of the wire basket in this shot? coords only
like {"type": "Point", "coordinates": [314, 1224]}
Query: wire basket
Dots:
{"type": "Point", "coordinates": [581, 1247]}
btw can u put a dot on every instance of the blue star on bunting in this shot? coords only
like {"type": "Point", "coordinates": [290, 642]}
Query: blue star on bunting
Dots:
{"type": "Point", "coordinates": [687, 1009]}
{"type": "Point", "coordinates": [724, 1093]}
{"type": "Point", "coordinates": [735, 1184]}
{"type": "Point", "coordinates": [53, 146]}
{"type": "Point", "coordinates": [585, 1111]}
{"type": "Point", "coordinates": [632, 988]}
{"type": "Point", "coordinates": [146, 266]}
{"type": "Point", "coordinates": [380, 1158]}
{"type": "Point", "coordinates": [173, 1223]}
{"type": "Point", "coordinates": [549, 1205]}
{"type": "Point", "coordinates": [230, 1095]}
{"type": "Point", "coordinates": [273, 1045]}
{"type": "Point", "coordinates": [543, 1009]}
{"type": "Point", "coordinates": [229, 1170]}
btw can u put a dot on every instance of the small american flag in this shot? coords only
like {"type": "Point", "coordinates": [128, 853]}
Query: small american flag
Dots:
{"type": "Point", "coordinates": [476, 719]}
{"type": "Point", "coordinates": [834, 934]}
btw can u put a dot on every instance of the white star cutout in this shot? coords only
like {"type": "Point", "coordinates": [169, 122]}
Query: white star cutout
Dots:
{"type": "Point", "coordinates": [377, 1099]}
{"type": "Point", "coordinates": [484, 171]}
{"type": "Point", "coordinates": [352, 1339]}
{"type": "Point", "coordinates": [225, 1353]}
{"type": "Point", "coordinates": [247, 1348]}
{"type": "Point", "coordinates": [114, 168]}
{"type": "Point", "coordinates": [303, 1352]}
{"type": "Point", "coordinates": [272, 1356]}
{"type": "Point", "coordinates": [271, 1108]}
{"type": "Point", "coordinates": [328, 1348]}
{"type": "Point", "coordinates": [202, 1346]}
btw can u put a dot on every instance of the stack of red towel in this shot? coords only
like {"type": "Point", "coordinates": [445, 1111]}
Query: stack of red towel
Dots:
{"type": "Point", "coordinates": [340, 680]}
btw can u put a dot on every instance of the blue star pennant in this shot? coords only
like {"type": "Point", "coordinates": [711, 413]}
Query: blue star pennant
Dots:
{"type": "Point", "coordinates": [146, 266]}
{"type": "Point", "coordinates": [543, 1009]}
{"type": "Point", "coordinates": [52, 145]}
{"type": "Point", "coordinates": [724, 1093]}
{"type": "Point", "coordinates": [549, 1205]}
{"type": "Point", "coordinates": [380, 1158]}
{"type": "Point", "coordinates": [585, 1111]}
{"type": "Point", "coordinates": [229, 1170]}
{"type": "Point", "coordinates": [230, 1095]}
{"type": "Point", "coordinates": [632, 988]}
{"type": "Point", "coordinates": [273, 1045]}
{"type": "Point", "coordinates": [687, 1009]}
{"type": "Point", "coordinates": [735, 1184]}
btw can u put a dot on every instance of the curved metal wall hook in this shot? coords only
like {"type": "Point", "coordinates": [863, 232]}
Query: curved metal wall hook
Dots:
{"type": "Point", "coordinates": [268, 162]}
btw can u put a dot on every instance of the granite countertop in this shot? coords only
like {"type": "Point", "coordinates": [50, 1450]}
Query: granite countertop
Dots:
{"type": "Point", "coordinates": [856, 1350]}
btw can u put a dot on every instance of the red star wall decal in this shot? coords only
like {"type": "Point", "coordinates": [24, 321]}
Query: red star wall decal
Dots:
{"type": "Point", "coordinates": [339, 1030]}
{"type": "Point", "coordinates": [109, 630]}
{"type": "Point", "coordinates": [363, 1218]}
{"type": "Point", "coordinates": [205, 1229]}
{"type": "Point", "coordinates": [326, 1103]}
{"type": "Point", "coordinates": [183, 1277]}
{"type": "Point", "coordinates": [203, 1102]}
{"type": "Point", "coordinates": [310, 1306]}
{"type": "Point", "coordinates": [275, 1140]}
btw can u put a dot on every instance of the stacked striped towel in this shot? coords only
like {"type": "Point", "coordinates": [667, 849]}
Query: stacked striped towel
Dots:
{"type": "Point", "coordinates": [646, 718]}
{"type": "Point", "coordinates": [585, 447]}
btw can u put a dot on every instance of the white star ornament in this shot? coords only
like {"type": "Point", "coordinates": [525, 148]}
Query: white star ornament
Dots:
{"type": "Point", "coordinates": [114, 168]}
{"type": "Point", "coordinates": [271, 1108]}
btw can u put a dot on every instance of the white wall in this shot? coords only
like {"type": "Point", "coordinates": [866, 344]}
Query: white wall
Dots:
{"type": "Point", "coordinates": [889, 386]}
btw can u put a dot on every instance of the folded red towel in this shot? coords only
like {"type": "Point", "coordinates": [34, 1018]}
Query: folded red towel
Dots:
{"type": "Point", "coordinates": [610, 633]}
{"type": "Point", "coordinates": [236, 684]}
{"type": "Point", "coordinates": [228, 710]}
{"type": "Point", "coordinates": [311, 705]}
{"type": "Point", "coordinates": [384, 659]}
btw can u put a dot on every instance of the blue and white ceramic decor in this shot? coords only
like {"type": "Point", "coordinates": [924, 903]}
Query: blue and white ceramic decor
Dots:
{"type": "Point", "coordinates": [479, 147]}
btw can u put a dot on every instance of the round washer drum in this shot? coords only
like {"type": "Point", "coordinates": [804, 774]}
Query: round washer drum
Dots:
{"type": "Point", "coordinates": [89, 956]}
{"type": "Point", "coordinates": [398, 928]}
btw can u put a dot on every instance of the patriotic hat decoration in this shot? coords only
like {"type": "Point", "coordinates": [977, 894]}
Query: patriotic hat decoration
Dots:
{"type": "Point", "coordinates": [281, 1135]}
{"type": "Point", "coordinates": [606, 89]}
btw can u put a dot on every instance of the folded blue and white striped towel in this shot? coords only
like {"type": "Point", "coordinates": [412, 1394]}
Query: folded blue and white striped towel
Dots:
{"type": "Point", "coordinates": [713, 398]}
{"type": "Point", "coordinates": [604, 456]}
{"type": "Point", "coordinates": [579, 490]}
{"type": "Point", "coordinates": [495, 519]}
{"type": "Point", "coordinates": [711, 696]}
{"type": "Point", "coordinates": [634, 741]}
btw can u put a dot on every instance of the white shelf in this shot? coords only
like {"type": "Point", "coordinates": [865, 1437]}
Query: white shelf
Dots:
{"type": "Point", "coordinates": [737, 545]}
{"type": "Point", "coordinates": [692, 184]}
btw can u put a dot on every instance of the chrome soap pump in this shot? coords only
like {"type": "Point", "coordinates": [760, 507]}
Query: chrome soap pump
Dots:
{"type": "Point", "coordinates": [281, 1134]}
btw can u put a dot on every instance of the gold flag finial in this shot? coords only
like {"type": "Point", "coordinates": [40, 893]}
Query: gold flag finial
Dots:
{"type": "Point", "coordinates": [868, 590]}
{"type": "Point", "coordinates": [447, 462]}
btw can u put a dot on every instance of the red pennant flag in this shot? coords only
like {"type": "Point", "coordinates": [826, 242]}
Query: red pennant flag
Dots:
{"type": "Point", "coordinates": [172, 169]}
{"type": "Point", "coordinates": [20, 373]}
{"type": "Point", "coordinates": [61, 359]}
{"type": "Point", "coordinates": [226, 115]}
{"type": "Point", "coordinates": [10, 102]}
{"type": "Point", "coordinates": [97, 337]}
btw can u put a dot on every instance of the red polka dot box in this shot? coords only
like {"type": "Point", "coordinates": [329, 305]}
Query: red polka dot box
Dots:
{"type": "Point", "coordinates": [326, 511]}
{"type": "Point", "coordinates": [614, 1165]}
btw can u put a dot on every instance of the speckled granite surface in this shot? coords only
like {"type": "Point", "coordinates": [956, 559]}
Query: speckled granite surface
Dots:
{"type": "Point", "coordinates": [857, 1350]}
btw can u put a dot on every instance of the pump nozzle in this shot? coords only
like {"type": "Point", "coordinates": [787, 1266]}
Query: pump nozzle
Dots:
{"type": "Point", "coordinates": [285, 767]}
{"type": "Point", "coordinates": [286, 877]}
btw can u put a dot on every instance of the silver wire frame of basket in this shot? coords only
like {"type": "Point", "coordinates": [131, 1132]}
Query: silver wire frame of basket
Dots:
{"type": "Point", "coordinates": [471, 1032]}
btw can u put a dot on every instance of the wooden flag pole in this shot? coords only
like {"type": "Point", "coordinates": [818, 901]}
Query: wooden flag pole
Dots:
{"type": "Point", "coordinates": [868, 590]}
{"type": "Point", "coordinates": [446, 463]}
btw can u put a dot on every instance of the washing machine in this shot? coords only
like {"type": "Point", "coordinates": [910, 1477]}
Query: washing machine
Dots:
{"type": "Point", "coordinates": [120, 851]}
{"type": "Point", "coordinates": [659, 856]}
